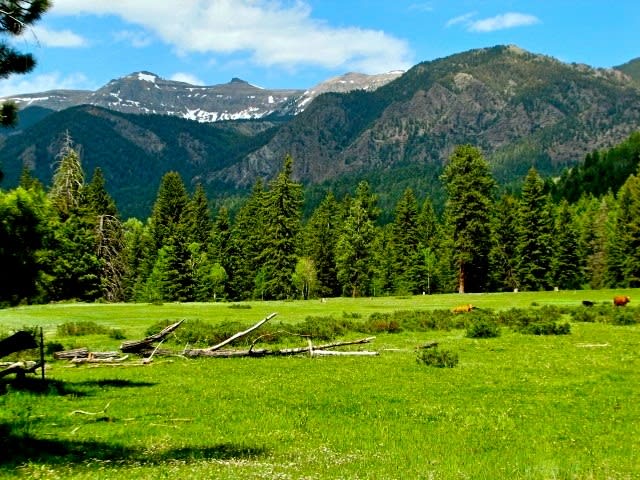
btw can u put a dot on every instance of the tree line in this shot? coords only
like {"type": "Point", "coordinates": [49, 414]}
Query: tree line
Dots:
{"type": "Point", "coordinates": [68, 241]}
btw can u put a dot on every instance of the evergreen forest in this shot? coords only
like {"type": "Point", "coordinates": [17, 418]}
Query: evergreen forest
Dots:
{"type": "Point", "coordinates": [67, 241]}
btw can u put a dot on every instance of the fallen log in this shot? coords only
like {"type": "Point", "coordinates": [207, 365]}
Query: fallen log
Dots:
{"type": "Point", "coordinates": [71, 354]}
{"type": "Point", "coordinates": [20, 368]}
{"type": "Point", "coordinates": [363, 353]}
{"type": "Point", "coordinates": [83, 352]}
{"type": "Point", "coordinates": [92, 359]}
{"type": "Point", "coordinates": [240, 334]}
{"type": "Point", "coordinates": [136, 346]}
{"type": "Point", "coordinates": [204, 352]}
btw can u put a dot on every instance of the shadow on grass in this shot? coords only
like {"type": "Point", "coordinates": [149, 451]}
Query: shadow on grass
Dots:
{"type": "Point", "coordinates": [49, 386]}
{"type": "Point", "coordinates": [20, 447]}
{"type": "Point", "coordinates": [114, 382]}
{"type": "Point", "coordinates": [38, 386]}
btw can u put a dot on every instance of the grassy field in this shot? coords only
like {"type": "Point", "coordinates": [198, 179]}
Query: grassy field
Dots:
{"type": "Point", "coordinates": [516, 406]}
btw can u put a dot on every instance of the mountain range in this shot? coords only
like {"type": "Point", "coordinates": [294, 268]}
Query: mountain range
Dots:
{"type": "Point", "coordinates": [395, 130]}
{"type": "Point", "coordinates": [147, 93]}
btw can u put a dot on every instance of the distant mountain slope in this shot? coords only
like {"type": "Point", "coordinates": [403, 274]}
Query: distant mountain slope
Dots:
{"type": "Point", "coordinates": [631, 68]}
{"type": "Point", "coordinates": [147, 93]}
{"type": "Point", "coordinates": [522, 109]}
{"type": "Point", "coordinates": [134, 151]}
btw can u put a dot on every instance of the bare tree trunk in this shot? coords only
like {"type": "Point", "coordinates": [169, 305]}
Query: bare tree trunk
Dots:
{"type": "Point", "coordinates": [136, 346]}
{"type": "Point", "coordinates": [207, 352]}
{"type": "Point", "coordinates": [241, 334]}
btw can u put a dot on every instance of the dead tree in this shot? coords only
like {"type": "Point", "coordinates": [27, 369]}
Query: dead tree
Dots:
{"type": "Point", "coordinates": [140, 346]}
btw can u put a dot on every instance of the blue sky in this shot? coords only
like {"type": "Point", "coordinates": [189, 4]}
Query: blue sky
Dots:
{"type": "Point", "coordinates": [298, 43]}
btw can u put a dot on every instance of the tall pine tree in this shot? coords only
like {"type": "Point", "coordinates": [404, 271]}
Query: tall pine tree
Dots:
{"type": "Point", "coordinates": [468, 211]}
{"type": "Point", "coordinates": [405, 242]}
{"type": "Point", "coordinates": [321, 234]}
{"type": "Point", "coordinates": [283, 210]}
{"type": "Point", "coordinates": [535, 249]}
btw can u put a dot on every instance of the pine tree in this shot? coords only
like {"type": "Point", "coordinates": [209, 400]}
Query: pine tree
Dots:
{"type": "Point", "coordinates": [405, 243]}
{"type": "Point", "coordinates": [429, 249]}
{"type": "Point", "coordinates": [567, 273]}
{"type": "Point", "coordinates": [96, 197]}
{"type": "Point", "coordinates": [23, 229]}
{"type": "Point", "coordinates": [71, 264]}
{"type": "Point", "coordinates": [68, 180]}
{"type": "Point", "coordinates": [504, 261]}
{"type": "Point", "coordinates": [593, 240]}
{"type": "Point", "coordinates": [169, 210]}
{"type": "Point", "coordinates": [283, 210]}
{"type": "Point", "coordinates": [382, 262]}
{"type": "Point", "coordinates": [468, 210]}
{"type": "Point", "coordinates": [140, 255]}
{"type": "Point", "coordinates": [354, 250]}
{"type": "Point", "coordinates": [220, 246]}
{"type": "Point", "coordinates": [321, 234]}
{"type": "Point", "coordinates": [535, 237]}
{"type": "Point", "coordinates": [110, 236]}
{"type": "Point", "coordinates": [15, 17]}
{"type": "Point", "coordinates": [198, 218]}
{"type": "Point", "coordinates": [246, 244]}
{"type": "Point", "coordinates": [624, 245]}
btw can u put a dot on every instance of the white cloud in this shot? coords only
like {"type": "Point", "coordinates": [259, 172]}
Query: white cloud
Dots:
{"type": "Point", "coordinates": [502, 22]}
{"type": "Point", "coordinates": [422, 7]}
{"type": "Point", "coordinates": [461, 19]}
{"type": "Point", "coordinates": [273, 33]}
{"type": "Point", "coordinates": [18, 84]}
{"type": "Point", "coordinates": [187, 78]}
{"type": "Point", "coordinates": [136, 39]}
{"type": "Point", "coordinates": [54, 38]}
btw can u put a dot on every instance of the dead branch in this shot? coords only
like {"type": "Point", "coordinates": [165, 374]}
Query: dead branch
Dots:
{"type": "Point", "coordinates": [240, 334]}
{"type": "Point", "coordinates": [363, 353]}
{"type": "Point", "coordinates": [264, 352]}
{"type": "Point", "coordinates": [19, 368]}
{"type": "Point", "coordinates": [136, 346]}
{"type": "Point", "coordinates": [83, 412]}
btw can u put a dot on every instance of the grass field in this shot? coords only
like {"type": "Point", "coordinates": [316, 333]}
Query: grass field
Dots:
{"type": "Point", "coordinates": [516, 406]}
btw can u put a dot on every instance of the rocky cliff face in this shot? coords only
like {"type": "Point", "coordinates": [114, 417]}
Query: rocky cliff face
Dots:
{"type": "Point", "coordinates": [521, 109]}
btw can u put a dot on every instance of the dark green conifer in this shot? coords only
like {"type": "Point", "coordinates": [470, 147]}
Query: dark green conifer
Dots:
{"type": "Point", "coordinates": [468, 211]}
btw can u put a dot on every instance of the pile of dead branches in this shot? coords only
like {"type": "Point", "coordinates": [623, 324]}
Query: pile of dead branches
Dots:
{"type": "Point", "coordinates": [150, 346]}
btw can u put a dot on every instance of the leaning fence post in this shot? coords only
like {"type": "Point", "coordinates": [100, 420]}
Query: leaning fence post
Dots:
{"type": "Point", "coordinates": [42, 351]}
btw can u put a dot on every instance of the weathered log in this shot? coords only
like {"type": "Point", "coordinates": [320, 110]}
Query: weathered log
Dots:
{"type": "Point", "coordinates": [363, 353]}
{"type": "Point", "coordinates": [264, 352]}
{"type": "Point", "coordinates": [136, 346]}
{"type": "Point", "coordinates": [20, 368]}
{"type": "Point", "coordinates": [92, 359]}
{"type": "Point", "coordinates": [70, 354]}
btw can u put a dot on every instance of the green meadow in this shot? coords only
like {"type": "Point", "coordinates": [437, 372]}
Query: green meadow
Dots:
{"type": "Point", "coordinates": [516, 406]}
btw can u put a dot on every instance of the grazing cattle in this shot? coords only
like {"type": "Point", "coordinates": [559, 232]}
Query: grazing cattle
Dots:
{"type": "Point", "coordinates": [621, 300]}
{"type": "Point", "coordinates": [587, 303]}
{"type": "Point", "coordinates": [463, 308]}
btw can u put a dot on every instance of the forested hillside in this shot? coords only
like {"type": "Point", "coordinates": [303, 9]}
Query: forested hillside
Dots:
{"type": "Point", "coordinates": [521, 109]}
{"type": "Point", "coordinates": [68, 241]}
{"type": "Point", "coordinates": [133, 151]}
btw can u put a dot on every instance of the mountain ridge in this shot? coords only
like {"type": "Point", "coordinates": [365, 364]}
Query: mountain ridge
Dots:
{"type": "Point", "coordinates": [521, 109]}
{"type": "Point", "coordinates": [144, 92]}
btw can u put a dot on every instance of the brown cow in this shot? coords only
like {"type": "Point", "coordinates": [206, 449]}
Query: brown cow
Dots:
{"type": "Point", "coordinates": [463, 308]}
{"type": "Point", "coordinates": [621, 300]}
